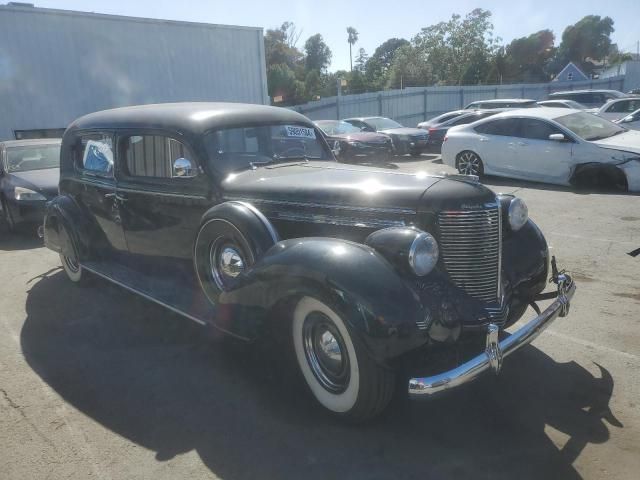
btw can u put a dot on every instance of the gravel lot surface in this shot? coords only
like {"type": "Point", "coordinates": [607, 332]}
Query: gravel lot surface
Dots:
{"type": "Point", "coordinates": [99, 383]}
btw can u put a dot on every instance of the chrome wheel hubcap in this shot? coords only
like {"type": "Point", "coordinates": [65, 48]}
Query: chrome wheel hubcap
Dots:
{"type": "Point", "coordinates": [227, 263]}
{"type": "Point", "coordinates": [469, 164]}
{"type": "Point", "coordinates": [325, 352]}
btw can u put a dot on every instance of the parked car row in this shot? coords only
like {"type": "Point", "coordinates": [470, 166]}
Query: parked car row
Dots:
{"type": "Point", "coordinates": [374, 138]}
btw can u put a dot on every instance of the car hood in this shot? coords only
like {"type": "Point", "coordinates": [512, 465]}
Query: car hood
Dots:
{"type": "Point", "coordinates": [627, 142]}
{"type": "Point", "coordinates": [339, 185]}
{"type": "Point", "coordinates": [365, 137]}
{"type": "Point", "coordinates": [404, 131]}
{"type": "Point", "coordinates": [43, 181]}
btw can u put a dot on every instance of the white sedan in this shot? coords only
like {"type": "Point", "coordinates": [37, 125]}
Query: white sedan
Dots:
{"type": "Point", "coordinates": [551, 145]}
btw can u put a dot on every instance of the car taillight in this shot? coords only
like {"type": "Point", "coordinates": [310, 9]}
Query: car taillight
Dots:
{"type": "Point", "coordinates": [431, 130]}
{"type": "Point", "coordinates": [445, 139]}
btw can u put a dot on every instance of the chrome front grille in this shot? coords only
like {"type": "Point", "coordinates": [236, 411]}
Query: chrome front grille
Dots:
{"type": "Point", "coordinates": [471, 246]}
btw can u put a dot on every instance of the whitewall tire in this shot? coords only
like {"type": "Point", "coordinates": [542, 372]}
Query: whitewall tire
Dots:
{"type": "Point", "coordinates": [342, 377]}
{"type": "Point", "coordinates": [72, 268]}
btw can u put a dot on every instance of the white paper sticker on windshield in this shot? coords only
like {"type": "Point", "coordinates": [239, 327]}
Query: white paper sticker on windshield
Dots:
{"type": "Point", "coordinates": [300, 132]}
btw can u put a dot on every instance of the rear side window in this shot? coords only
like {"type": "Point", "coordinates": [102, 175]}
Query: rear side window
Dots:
{"type": "Point", "coordinates": [535, 129]}
{"type": "Point", "coordinates": [153, 155]}
{"type": "Point", "coordinates": [502, 126]}
{"type": "Point", "coordinates": [95, 154]}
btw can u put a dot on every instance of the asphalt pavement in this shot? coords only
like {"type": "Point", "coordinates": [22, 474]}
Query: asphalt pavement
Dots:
{"type": "Point", "coordinates": [99, 383]}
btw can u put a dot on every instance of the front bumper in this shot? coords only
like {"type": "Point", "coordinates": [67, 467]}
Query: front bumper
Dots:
{"type": "Point", "coordinates": [496, 351]}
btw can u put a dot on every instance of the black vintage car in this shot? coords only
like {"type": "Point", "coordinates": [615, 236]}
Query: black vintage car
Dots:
{"type": "Point", "coordinates": [238, 216]}
{"type": "Point", "coordinates": [29, 174]}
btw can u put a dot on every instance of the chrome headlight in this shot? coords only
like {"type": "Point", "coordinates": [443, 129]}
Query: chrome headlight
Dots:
{"type": "Point", "coordinates": [423, 254]}
{"type": "Point", "coordinates": [518, 214]}
{"type": "Point", "coordinates": [21, 193]}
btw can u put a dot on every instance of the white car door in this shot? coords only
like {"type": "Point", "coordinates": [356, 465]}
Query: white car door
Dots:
{"type": "Point", "coordinates": [495, 145]}
{"type": "Point", "coordinates": [540, 158]}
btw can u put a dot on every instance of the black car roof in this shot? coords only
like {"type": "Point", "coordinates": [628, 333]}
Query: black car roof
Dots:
{"type": "Point", "coordinates": [188, 117]}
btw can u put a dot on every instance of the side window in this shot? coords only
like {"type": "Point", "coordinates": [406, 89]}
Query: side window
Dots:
{"type": "Point", "coordinates": [535, 129]}
{"type": "Point", "coordinates": [465, 119]}
{"type": "Point", "coordinates": [95, 154]}
{"type": "Point", "coordinates": [157, 156]}
{"type": "Point", "coordinates": [619, 107]}
{"type": "Point", "coordinates": [632, 106]}
{"type": "Point", "coordinates": [503, 127]}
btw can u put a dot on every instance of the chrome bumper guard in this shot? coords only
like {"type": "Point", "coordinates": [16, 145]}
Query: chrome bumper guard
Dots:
{"type": "Point", "coordinates": [495, 350]}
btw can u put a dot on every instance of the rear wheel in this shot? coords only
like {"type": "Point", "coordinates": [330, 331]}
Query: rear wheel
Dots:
{"type": "Point", "coordinates": [72, 268]}
{"type": "Point", "coordinates": [469, 163]}
{"type": "Point", "coordinates": [341, 375]}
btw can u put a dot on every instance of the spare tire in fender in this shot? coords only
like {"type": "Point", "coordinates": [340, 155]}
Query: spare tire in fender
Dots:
{"type": "Point", "coordinates": [231, 238]}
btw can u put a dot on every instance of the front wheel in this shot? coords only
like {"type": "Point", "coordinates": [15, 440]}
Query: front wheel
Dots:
{"type": "Point", "coordinates": [341, 375]}
{"type": "Point", "coordinates": [416, 154]}
{"type": "Point", "coordinates": [469, 163]}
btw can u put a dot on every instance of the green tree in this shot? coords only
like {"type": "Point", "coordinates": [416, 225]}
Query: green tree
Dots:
{"type": "Point", "coordinates": [526, 58]}
{"type": "Point", "coordinates": [459, 46]}
{"type": "Point", "coordinates": [377, 67]}
{"type": "Point", "coordinates": [586, 42]}
{"type": "Point", "coordinates": [318, 54]}
{"type": "Point", "coordinates": [352, 38]}
{"type": "Point", "coordinates": [409, 68]}
{"type": "Point", "coordinates": [361, 61]}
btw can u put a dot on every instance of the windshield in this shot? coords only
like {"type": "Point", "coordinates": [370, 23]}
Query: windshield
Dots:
{"type": "Point", "coordinates": [238, 148]}
{"type": "Point", "coordinates": [380, 123]}
{"type": "Point", "coordinates": [33, 157]}
{"type": "Point", "coordinates": [588, 126]}
{"type": "Point", "coordinates": [337, 127]}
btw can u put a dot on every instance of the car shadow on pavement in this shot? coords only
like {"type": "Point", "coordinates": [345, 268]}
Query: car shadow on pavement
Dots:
{"type": "Point", "coordinates": [19, 240]}
{"type": "Point", "coordinates": [162, 382]}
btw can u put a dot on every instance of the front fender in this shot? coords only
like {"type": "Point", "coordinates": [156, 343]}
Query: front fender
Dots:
{"type": "Point", "coordinates": [378, 305]}
{"type": "Point", "coordinates": [525, 261]}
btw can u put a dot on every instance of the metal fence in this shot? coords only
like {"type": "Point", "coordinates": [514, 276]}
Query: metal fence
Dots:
{"type": "Point", "coordinates": [416, 104]}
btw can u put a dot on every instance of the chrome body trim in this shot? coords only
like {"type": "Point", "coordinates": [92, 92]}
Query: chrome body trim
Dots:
{"type": "Point", "coordinates": [336, 220]}
{"type": "Point", "coordinates": [495, 351]}
{"type": "Point", "coordinates": [404, 211]}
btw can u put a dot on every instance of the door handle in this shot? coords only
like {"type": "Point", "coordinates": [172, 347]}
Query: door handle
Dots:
{"type": "Point", "coordinates": [115, 196]}
{"type": "Point", "coordinates": [484, 139]}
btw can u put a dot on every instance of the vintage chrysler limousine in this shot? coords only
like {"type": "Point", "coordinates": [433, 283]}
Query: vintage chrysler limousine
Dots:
{"type": "Point", "coordinates": [227, 213]}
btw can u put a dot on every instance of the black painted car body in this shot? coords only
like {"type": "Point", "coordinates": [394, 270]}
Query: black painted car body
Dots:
{"type": "Point", "coordinates": [405, 139]}
{"type": "Point", "coordinates": [29, 174]}
{"type": "Point", "coordinates": [229, 246]}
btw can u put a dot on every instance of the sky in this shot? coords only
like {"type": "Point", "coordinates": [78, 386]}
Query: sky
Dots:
{"type": "Point", "coordinates": [375, 20]}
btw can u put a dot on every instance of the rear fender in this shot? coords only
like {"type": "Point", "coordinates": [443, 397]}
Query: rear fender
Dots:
{"type": "Point", "coordinates": [64, 225]}
{"type": "Point", "coordinates": [378, 305]}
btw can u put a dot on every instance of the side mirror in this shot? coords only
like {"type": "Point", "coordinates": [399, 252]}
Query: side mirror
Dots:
{"type": "Point", "coordinates": [183, 168]}
{"type": "Point", "coordinates": [558, 137]}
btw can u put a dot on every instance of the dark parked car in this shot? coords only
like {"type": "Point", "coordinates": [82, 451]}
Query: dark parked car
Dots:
{"type": "Point", "coordinates": [349, 143]}
{"type": "Point", "coordinates": [439, 131]}
{"type": "Point", "coordinates": [29, 172]}
{"type": "Point", "coordinates": [238, 216]}
{"type": "Point", "coordinates": [405, 139]}
{"type": "Point", "coordinates": [441, 119]}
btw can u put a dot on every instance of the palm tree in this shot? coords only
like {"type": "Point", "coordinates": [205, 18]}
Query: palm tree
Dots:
{"type": "Point", "coordinates": [352, 39]}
